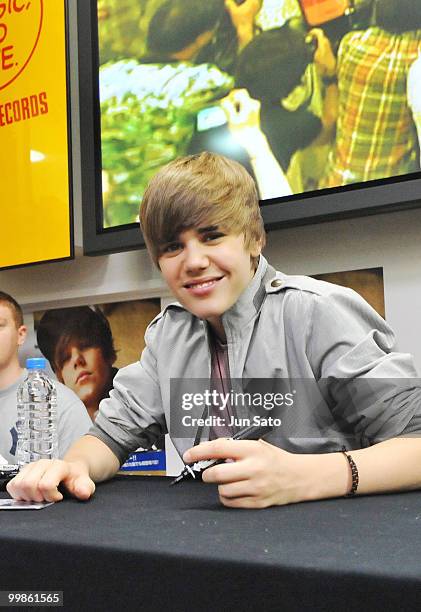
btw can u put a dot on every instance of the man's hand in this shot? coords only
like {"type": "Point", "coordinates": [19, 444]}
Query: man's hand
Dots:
{"type": "Point", "coordinates": [39, 481]}
{"type": "Point", "coordinates": [324, 58]}
{"type": "Point", "coordinates": [242, 17]}
{"type": "Point", "coordinates": [258, 474]}
{"type": "Point", "coordinates": [243, 115]}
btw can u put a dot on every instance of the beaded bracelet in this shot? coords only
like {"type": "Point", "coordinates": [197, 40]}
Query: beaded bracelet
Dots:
{"type": "Point", "coordinates": [354, 473]}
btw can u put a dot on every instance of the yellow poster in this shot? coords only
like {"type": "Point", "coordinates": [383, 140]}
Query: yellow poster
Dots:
{"type": "Point", "coordinates": [34, 171]}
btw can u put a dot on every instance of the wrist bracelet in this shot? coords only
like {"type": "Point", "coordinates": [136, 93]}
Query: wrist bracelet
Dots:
{"type": "Point", "coordinates": [354, 473]}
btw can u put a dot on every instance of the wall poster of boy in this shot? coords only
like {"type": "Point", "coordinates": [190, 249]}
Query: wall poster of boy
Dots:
{"type": "Point", "coordinates": [86, 345]}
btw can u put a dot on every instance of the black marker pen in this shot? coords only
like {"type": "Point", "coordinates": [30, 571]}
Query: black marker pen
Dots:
{"type": "Point", "coordinates": [194, 471]}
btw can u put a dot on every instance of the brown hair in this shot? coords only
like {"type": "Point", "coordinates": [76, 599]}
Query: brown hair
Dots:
{"type": "Point", "coordinates": [397, 16]}
{"type": "Point", "coordinates": [197, 190]}
{"type": "Point", "coordinates": [61, 327]}
{"type": "Point", "coordinates": [12, 304]}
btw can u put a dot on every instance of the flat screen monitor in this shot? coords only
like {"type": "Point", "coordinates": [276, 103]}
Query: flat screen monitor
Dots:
{"type": "Point", "coordinates": [338, 140]}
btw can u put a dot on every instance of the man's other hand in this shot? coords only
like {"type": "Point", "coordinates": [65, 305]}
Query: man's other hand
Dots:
{"type": "Point", "coordinates": [39, 481]}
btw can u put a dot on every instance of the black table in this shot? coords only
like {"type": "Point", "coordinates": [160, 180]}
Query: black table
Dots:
{"type": "Point", "coordinates": [140, 545]}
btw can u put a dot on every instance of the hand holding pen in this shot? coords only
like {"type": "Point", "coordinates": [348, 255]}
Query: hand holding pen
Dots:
{"type": "Point", "coordinates": [194, 471]}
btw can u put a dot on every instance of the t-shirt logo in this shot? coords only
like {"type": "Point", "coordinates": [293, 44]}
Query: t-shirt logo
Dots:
{"type": "Point", "coordinates": [14, 434]}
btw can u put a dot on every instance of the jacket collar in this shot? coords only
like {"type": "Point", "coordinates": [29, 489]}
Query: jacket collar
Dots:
{"type": "Point", "coordinates": [250, 301]}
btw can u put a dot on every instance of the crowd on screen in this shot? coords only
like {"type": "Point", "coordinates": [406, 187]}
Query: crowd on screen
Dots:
{"type": "Point", "coordinates": [302, 107]}
{"type": "Point", "coordinates": [362, 87]}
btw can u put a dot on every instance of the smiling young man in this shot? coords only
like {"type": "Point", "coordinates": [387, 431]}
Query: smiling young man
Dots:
{"type": "Point", "coordinates": [207, 270]}
{"type": "Point", "coordinates": [238, 319]}
{"type": "Point", "coordinates": [72, 418]}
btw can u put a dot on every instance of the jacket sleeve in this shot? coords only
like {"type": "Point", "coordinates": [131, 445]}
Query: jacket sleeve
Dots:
{"type": "Point", "coordinates": [133, 416]}
{"type": "Point", "coordinates": [371, 388]}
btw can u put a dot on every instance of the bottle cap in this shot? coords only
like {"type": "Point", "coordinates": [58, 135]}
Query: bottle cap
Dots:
{"type": "Point", "coordinates": [36, 363]}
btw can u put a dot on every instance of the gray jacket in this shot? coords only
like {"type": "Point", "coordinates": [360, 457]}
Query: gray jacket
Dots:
{"type": "Point", "coordinates": [324, 342]}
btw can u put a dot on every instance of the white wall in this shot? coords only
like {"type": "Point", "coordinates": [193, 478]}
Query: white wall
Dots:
{"type": "Point", "coordinates": [391, 241]}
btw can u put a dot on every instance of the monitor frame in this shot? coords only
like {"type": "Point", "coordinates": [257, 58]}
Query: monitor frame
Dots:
{"type": "Point", "coordinates": [355, 200]}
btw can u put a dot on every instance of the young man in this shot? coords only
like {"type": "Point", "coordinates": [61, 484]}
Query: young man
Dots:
{"type": "Point", "coordinates": [239, 319]}
{"type": "Point", "coordinates": [73, 421]}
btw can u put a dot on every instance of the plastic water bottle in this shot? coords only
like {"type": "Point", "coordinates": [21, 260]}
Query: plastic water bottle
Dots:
{"type": "Point", "coordinates": [37, 415]}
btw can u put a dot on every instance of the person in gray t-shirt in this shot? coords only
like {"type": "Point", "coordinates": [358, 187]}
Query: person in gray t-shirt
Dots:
{"type": "Point", "coordinates": [72, 418]}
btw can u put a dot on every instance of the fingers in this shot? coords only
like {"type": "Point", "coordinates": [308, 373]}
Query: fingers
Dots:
{"type": "Point", "coordinates": [233, 102]}
{"type": "Point", "coordinates": [25, 486]}
{"type": "Point", "coordinates": [239, 98]}
{"type": "Point", "coordinates": [316, 33]}
{"type": "Point", "coordinates": [320, 38]}
{"type": "Point", "coordinates": [235, 490]}
{"type": "Point", "coordinates": [237, 95]}
{"type": "Point", "coordinates": [247, 10]}
{"type": "Point", "coordinates": [249, 493]}
{"type": "Point", "coordinates": [227, 473]}
{"type": "Point", "coordinates": [245, 502]}
{"type": "Point", "coordinates": [258, 476]}
{"type": "Point", "coordinates": [75, 480]}
{"type": "Point", "coordinates": [82, 487]}
{"type": "Point", "coordinates": [39, 481]}
{"type": "Point", "coordinates": [220, 449]}
{"type": "Point", "coordinates": [323, 56]}
{"type": "Point", "coordinates": [241, 110]}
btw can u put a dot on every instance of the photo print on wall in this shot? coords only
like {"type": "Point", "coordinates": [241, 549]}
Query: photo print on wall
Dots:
{"type": "Point", "coordinates": [86, 345]}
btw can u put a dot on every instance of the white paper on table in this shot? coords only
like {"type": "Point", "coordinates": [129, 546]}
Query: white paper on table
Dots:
{"type": "Point", "coordinates": [15, 504]}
